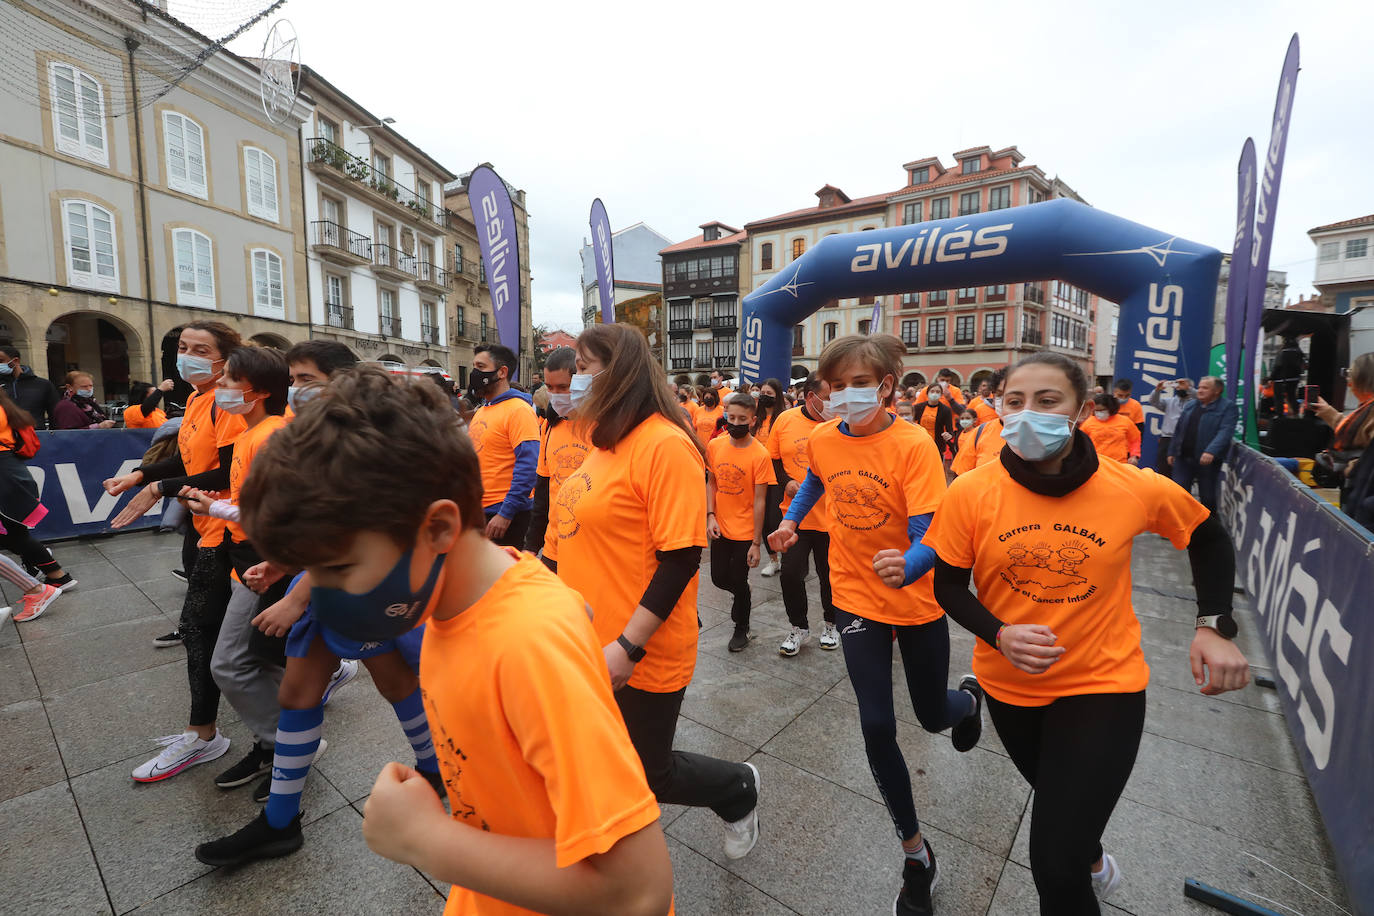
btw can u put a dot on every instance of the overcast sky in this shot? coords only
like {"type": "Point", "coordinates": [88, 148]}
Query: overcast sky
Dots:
{"type": "Point", "coordinates": [678, 114]}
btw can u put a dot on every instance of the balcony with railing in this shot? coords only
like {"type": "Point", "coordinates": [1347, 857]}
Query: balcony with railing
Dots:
{"type": "Point", "coordinates": [393, 263]}
{"type": "Point", "coordinates": [434, 277]}
{"type": "Point", "coordinates": [1032, 338]}
{"type": "Point", "coordinates": [329, 159]}
{"type": "Point", "coordinates": [339, 244]}
{"type": "Point", "coordinates": [798, 350]}
{"type": "Point", "coordinates": [388, 325]}
{"type": "Point", "coordinates": [701, 362]}
{"type": "Point", "coordinates": [703, 321]}
{"type": "Point", "coordinates": [429, 333]}
{"type": "Point", "coordinates": [681, 362]}
{"type": "Point", "coordinates": [338, 316]}
{"type": "Point", "coordinates": [725, 362]}
{"type": "Point", "coordinates": [680, 327]}
{"type": "Point", "coordinates": [725, 321]}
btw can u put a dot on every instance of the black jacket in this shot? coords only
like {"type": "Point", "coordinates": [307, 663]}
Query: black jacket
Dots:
{"type": "Point", "coordinates": [1357, 498]}
{"type": "Point", "coordinates": [944, 423]}
{"type": "Point", "coordinates": [36, 395]}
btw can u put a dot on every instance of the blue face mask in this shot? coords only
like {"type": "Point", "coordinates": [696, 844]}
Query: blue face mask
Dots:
{"type": "Point", "coordinates": [195, 369]}
{"type": "Point", "coordinates": [1036, 436]}
{"type": "Point", "coordinates": [85, 392]}
{"type": "Point", "coordinates": [6, 369]}
{"type": "Point", "coordinates": [388, 611]}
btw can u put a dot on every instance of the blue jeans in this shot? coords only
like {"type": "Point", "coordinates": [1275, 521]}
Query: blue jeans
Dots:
{"type": "Point", "coordinates": [1187, 470]}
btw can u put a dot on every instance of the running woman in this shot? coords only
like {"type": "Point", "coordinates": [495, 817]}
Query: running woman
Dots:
{"type": "Point", "coordinates": [884, 479]}
{"type": "Point", "coordinates": [1045, 533]}
{"type": "Point", "coordinates": [987, 442]}
{"type": "Point", "coordinates": [631, 525]}
{"type": "Point", "coordinates": [710, 411]}
{"type": "Point", "coordinates": [1112, 434]}
{"type": "Point", "coordinates": [787, 447]}
{"type": "Point", "coordinates": [736, 491]}
{"type": "Point", "coordinates": [550, 811]}
{"type": "Point", "coordinates": [20, 509]}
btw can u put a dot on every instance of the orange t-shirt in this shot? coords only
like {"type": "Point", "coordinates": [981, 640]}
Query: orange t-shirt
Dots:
{"type": "Point", "coordinates": [984, 446]}
{"type": "Point", "coordinates": [561, 453]}
{"type": "Point", "coordinates": [928, 417]}
{"type": "Point", "coordinates": [495, 430]}
{"type": "Point", "coordinates": [1064, 562]}
{"type": "Point", "coordinates": [1115, 437]}
{"type": "Point", "coordinates": [611, 517]}
{"type": "Point", "coordinates": [787, 443]}
{"type": "Point", "coordinates": [6, 434]}
{"type": "Point", "coordinates": [875, 484]}
{"type": "Point", "coordinates": [965, 442]}
{"type": "Point", "coordinates": [245, 450]}
{"type": "Point", "coordinates": [199, 440]}
{"type": "Point", "coordinates": [984, 410]}
{"type": "Point", "coordinates": [705, 422]}
{"type": "Point", "coordinates": [736, 471]}
{"type": "Point", "coordinates": [134, 419]}
{"type": "Point", "coordinates": [498, 681]}
{"type": "Point", "coordinates": [1133, 411]}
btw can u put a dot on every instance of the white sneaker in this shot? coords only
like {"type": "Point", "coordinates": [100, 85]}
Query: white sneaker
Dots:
{"type": "Point", "coordinates": [347, 671]}
{"type": "Point", "coordinates": [793, 643]}
{"type": "Point", "coordinates": [181, 752]}
{"type": "Point", "coordinates": [1107, 881]}
{"type": "Point", "coordinates": [771, 569]}
{"type": "Point", "coordinates": [830, 637]}
{"type": "Point", "coordinates": [741, 835]}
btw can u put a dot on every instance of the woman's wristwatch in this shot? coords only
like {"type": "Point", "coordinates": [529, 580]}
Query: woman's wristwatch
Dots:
{"type": "Point", "coordinates": [635, 653]}
{"type": "Point", "coordinates": [1224, 624]}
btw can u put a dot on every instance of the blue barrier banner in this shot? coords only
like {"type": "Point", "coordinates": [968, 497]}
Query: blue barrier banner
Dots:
{"type": "Point", "coordinates": [70, 468]}
{"type": "Point", "coordinates": [1310, 570]}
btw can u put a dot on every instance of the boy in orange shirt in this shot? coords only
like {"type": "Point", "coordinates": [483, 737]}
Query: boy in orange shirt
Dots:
{"type": "Point", "coordinates": [143, 412]}
{"type": "Point", "coordinates": [736, 491]}
{"type": "Point", "coordinates": [1112, 434]}
{"type": "Point", "coordinates": [1129, 405]}
{"type": "Point", "coordinates": [550, 811]}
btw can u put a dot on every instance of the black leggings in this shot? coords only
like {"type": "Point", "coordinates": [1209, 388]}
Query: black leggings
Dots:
{"type": "Point", "coordinates": [207, 598]}
{"type": "Point", "coordinates": [730, 571]}
{"type": "Point", "coordinates": [814, 544]}
{"type": "Point", "coordinates": [190, 546]}
{"type": "Point", "coordinates": [925, 659]}
{"type": "Point", "coordinates": [680, 777]}
{"type": "Point", "coordinates": [1077, 754]}
{"type": "Point", "coordinates": [20, 541]}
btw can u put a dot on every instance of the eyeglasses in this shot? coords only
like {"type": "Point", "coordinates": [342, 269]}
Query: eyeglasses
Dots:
{"type": "Point", "coordinates": [1345, 372]}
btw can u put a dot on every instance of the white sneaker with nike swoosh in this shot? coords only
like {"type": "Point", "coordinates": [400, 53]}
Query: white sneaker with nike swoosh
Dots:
{"type": "Point", "coordinates": [181, 752]}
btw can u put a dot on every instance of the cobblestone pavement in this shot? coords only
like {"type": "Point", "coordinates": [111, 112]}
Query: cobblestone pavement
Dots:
{"type": "Point", "coordinates": [1217, 792]}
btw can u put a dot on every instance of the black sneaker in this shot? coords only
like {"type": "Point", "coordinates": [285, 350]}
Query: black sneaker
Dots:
{"type": "Point", "coordinates": [917, 883]}
{"type": "Point", "coordinates": [740, 640]}
{"type": "Point", "coordinates": [257, 761]}
{"type": "Point", "coordinates": [168, 640]}
{"type": "Point", "coordinates": [64, 582]}
{"type": "Point", "coordinates": [259, 840]}
{"type": "Point", "coordinates": [179, 574]}
{"type": "Point", "coordinates": [969, 729]}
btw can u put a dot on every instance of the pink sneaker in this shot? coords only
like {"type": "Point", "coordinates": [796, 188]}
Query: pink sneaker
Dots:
{"type": "Point", "coordinates": [35, 603]}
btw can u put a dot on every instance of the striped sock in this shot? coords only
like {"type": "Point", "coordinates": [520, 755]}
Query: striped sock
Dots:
{"type": "Point", "coordinates": [298, 738]}
{"type": "Point", "coordinates": [411, 712]}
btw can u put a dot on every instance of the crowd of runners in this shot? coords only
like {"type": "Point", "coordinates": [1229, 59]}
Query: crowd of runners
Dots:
{"type": "Point", "coordinates": [521, 584]}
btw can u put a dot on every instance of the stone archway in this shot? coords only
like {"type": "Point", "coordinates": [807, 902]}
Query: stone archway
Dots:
{"type": "Point", "coordinates": [913, 380]}
{"type": "Point", "coordinates": [275, 341]}
{"type": "Point", "coordinates": [96, 342]}
{"type": "Point", "coordinates": [390, 358]}
{"type": "Point", "coordinates": [15, 333]}
{"type": "Point", "coordinates": [977, 378]}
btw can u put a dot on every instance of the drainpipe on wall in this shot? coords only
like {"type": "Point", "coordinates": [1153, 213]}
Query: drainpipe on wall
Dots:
{"type": "Point", "coordinates": [305, 237]}
{"type": "Point", "coordinates": [154, 343]}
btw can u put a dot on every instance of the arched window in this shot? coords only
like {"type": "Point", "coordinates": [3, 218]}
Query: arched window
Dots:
{"type": "Point", "coordinates": [766, 256]}
{"type": "Point", "coordinates": [184, 142]}
{"type": "Point", "coordinates": [78, 113]}
{"type": "Point", "coordinates": [798, 248]}
{"type": "Point", "coordinates": [88, 236]}
{"type": "Point", "coordinates": [260, 174]}
{"type": "Point", "coordinates": [268, 291]}
{"type": "Point", "coordinates": [829, 331]}
{"type": "Point", "coordinates": [194, 256]}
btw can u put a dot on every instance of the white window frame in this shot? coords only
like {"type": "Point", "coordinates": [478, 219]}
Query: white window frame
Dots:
{"type": "Point", "coordinates": [191, 181]}
{"type": "Point", "coordinates": [264, 186]}
{"type": "Point", "coordinates": [268, 299]}
{"type": "Point", "coordinates": [203, 275]}
{"type": "Point", "coordinates": [385, 296]}
{"type": "Point", "coordinates": [91, 142]}
{"type": "Point", "coordinates": [92, 276]}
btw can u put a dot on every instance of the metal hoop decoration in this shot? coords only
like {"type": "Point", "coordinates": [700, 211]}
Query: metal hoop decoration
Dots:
{"type": "Point", "coordinates": [279, 79]}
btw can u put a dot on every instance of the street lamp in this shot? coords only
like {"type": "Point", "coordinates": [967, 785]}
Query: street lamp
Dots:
{"type": "Point", "coordinates": [382, 123]}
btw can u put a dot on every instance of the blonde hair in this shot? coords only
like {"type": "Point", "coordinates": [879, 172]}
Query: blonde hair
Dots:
{"type": "Point", "coordinates": [880, 352]}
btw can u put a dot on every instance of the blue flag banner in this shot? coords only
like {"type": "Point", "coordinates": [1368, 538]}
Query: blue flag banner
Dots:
{"type": "Point", "coordinates": [1310, 570]}
{"type": "Point", "coordinates": [603, 252]}
{"type": "Point", "coordinates": [1238, 282]}
{"type": "Point", "coordinates": [70, 469]}
{"type": "Point", "coordinates": [1166, 286]}
{"type": "Point", "coordinates": [494, 215]}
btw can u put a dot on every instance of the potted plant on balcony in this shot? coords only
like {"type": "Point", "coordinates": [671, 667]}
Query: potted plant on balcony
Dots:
{"type": "Point", "coordinates": [357, 170]}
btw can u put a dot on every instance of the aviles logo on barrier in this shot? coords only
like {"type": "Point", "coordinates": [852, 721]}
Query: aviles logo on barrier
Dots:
{"type": "Point", "coordinates": [1159, 360]}
{"type": "Point", "coordinates": [498, 252]}
{"type": "Point", "coordinates": [929, 244]}
{"type": "Point", "coordinates": [751, 350]}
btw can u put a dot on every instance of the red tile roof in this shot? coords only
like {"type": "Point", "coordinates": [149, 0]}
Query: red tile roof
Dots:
{"type": "Point", "coordinates": [951, 179]}
{"type": "Point", "coordinates": [973, 149]}
{"type": "Point", "coordinates": [1346, 224]}
{"type": "Point", "coordinates": [858, 205]}
{"type": "Point", "coordinates": [699, 242]}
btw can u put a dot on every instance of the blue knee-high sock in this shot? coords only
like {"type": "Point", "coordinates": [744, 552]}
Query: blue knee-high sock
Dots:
{"type": "Point", "coordinates": [411, 712]}
{"type": "Point", "coordinates": [298, 738]}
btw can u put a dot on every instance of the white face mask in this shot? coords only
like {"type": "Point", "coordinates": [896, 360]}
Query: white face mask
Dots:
{"type": "Point", "coordinates": [966, 422]}
{"type": "Point", "coordinates": [1101, 415]}
{"type": "Point", "coordinates": [561, 403]}
{"type": "Point", "coordinates": [580, 387]}
{"type": "Point", "coordinates": [856, 406]}
{"type": "Point", "coordinates": [826, 412]}
{"type": "Point", "coordinates": [932, 399]}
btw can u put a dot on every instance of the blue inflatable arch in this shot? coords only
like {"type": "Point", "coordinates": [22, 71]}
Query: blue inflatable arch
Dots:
{"type": "Point", "coordinates": [1166, 286]}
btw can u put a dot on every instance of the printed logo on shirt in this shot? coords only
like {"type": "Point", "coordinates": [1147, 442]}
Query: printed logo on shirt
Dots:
{"type": "Point", "coordinates": [451, 766]}
{"type": "Point", "coordinates": [1050, 571]}
{"type": "Point", "coordinates": [729, 478]}
{"type": "Point", "coordinates": [856, 499]}
{"type": "Point", "coordinates": [477, 430]}
{"type": "Point", "coordinates": [799, 456]}
{"type": "Point", "coordinates": [569, 495]}
{"type": "Point", "coordinates": [567, 459]}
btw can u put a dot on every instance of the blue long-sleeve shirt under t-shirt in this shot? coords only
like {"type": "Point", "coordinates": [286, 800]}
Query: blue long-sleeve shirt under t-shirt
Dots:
{"type": "Point", "coordinates": [523, 476]}
{"type": "Point", "coordinates": [919, 558]}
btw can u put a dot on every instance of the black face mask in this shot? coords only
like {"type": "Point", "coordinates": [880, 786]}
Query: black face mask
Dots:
{"type": "Point", "coordinates": [479, 380]}
{"type": "Point", "coordinates": [737, 430]}
{"type": "Point", "coordinates": [710, 403]}
{"type": "Point", "coordinates": [766, 400]}
{"type": "Point", "coordinates": [1181, 392]}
